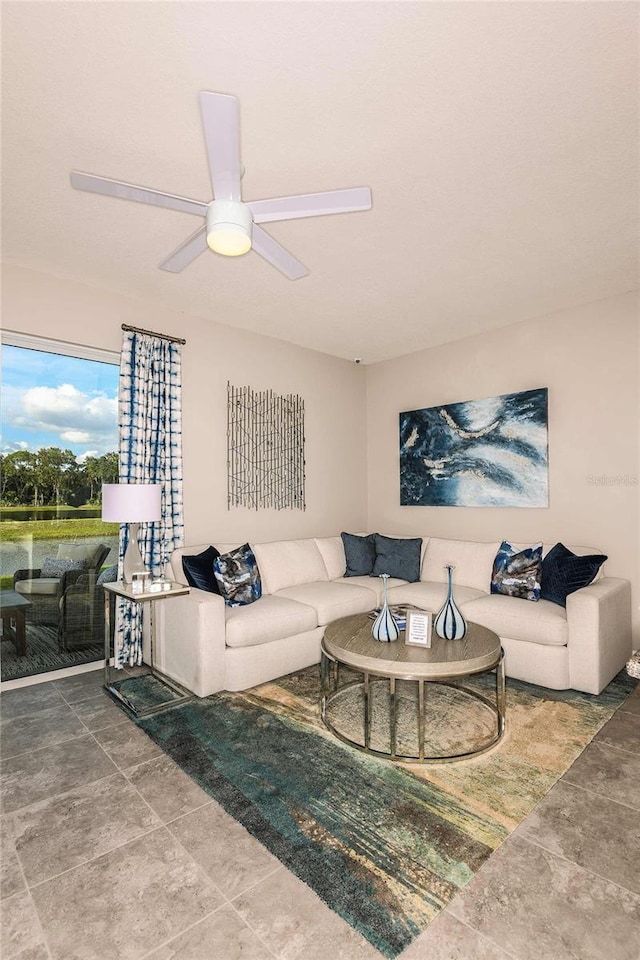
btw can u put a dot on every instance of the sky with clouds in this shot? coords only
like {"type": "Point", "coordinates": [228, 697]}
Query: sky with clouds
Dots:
{"type": "Point", "coordinates": [49, 400]}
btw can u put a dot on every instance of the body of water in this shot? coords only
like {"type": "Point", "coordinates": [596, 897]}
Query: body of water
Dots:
{"type": "Point", "coordinates": [62, 513]}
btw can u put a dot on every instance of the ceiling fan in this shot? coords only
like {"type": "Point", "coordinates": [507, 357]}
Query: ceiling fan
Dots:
{"type": "Point", "coordinates": [231, 225]}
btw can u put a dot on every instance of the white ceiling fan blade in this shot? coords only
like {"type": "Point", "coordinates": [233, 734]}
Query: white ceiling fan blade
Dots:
{"type": "Point", "coordinates": [311, 205]}
{"type": "Point", "coordinates": [221, 122]}
{"type": "Point", "coordinates": [275, 254]}
{"type": "Point", "coordinates": [192, 247]}
{"type": "Point", "coordinates": [128, 191]}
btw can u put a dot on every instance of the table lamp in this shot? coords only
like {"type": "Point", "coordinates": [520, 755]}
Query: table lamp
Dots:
{"type": "Point", "coordinates": [133, 504]}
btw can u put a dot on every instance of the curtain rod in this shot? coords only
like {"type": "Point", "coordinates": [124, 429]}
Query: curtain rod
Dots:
{"type": "Point", "coordinates": [152, 333]}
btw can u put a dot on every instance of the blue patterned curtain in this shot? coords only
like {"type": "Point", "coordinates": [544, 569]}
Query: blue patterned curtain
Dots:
{"type": "Point", "coordinates": [150, 416]}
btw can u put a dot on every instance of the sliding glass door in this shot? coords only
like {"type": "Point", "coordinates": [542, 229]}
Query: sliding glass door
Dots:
{"type": "Point", "coordinates": [59, 444]}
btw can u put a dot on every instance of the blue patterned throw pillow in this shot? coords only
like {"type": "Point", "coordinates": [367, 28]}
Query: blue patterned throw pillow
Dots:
{"type": "Point", "coordinates": [109, 574]}
{"type": "Point", "coordinates": [54, 567]}
{"type": "Point", "coordinates": [517, 573]}
{"type": "Point", "coordinates": [238, 576]}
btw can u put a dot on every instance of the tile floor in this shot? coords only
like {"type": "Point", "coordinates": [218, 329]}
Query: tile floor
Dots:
{"type": "Point", "coordinates": [110, 851]}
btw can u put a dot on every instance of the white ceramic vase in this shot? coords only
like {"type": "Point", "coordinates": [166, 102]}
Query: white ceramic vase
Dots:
{"type": "Point", "coordinates": [449, 623]}
{"type": "Point", "coordinates": [384, 626]}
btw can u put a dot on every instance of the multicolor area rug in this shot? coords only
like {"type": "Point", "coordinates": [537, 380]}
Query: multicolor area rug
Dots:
{"type": "Point", "coordinates": [386, 846]}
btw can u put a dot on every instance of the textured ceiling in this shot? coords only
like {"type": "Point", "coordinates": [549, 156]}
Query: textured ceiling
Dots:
{"type": "Point", "coordinates": [499, 141]}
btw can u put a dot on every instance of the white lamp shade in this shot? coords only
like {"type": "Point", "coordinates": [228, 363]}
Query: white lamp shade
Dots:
{"type": "Point", "coordinates": [131, 502]}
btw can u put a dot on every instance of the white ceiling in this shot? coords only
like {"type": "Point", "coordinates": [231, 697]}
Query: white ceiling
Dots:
{"type": "Point", "coordinates": [499, 141]}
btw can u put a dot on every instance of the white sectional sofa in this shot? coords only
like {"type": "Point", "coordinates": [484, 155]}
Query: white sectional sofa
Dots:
{"type": "Point", "coordinates": [208, 646]}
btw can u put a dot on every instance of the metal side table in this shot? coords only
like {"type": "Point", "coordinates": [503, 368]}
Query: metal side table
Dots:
{"type": "Point", "coordinates": [112, 685]}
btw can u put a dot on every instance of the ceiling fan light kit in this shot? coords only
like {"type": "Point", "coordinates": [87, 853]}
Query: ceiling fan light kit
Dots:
{"type": "Point", "coordinates": [231, 226]}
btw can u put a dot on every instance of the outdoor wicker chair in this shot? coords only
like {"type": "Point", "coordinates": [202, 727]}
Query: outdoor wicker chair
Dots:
{"type": "Point", "coordinates": [81, 611]}
{"type": "Point", "coordinates": [46, 591]}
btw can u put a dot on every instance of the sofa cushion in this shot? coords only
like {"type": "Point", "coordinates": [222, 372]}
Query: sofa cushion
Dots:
{"type": "Point", "coordinates": [332, 550]}
{"type": "Point", "coordinates": [516, 573]}
{"type": "Point", "coordinates": [238, 576]}
{"type": "Point", "coordinates": [270, 618]}
{"type": "Point", "coordinates": [360, 553]}
{"type": "Point", "coordinates": [564, 572]}
{"type": "Point", "coordinates": [542, 622]}
{"type": "Point", "coordinates": [371, 583]}
{"type": "Point", "coordinates": [198, 569]}
{"type": "Point", "coordinates": [332, 600]}
{"type": "Point", "coordinates": [287, 563]}
{"type": "Point", "coordinates": [399, 557]}
{"type": "Point", "coordinates": [473, 562]}
{"type": "Point", "coordinates": [430, 596]}
{"type": "Point", "coordinates": [41, 585]}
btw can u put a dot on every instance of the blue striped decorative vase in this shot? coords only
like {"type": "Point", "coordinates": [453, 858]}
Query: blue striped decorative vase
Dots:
{"type": "Point", "coordinates": [449, 623]}
{"type": "Point", "coordinates": [384, 626]}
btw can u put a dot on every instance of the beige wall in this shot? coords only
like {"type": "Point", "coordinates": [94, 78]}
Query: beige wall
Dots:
{"type": "Point", "coordinates": [588, 358]}
{"type": "Point", "coordinates": [333, 392]}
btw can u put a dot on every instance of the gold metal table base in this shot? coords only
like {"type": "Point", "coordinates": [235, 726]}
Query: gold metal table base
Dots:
{"type": "Point", "coordinates": [330, 692]}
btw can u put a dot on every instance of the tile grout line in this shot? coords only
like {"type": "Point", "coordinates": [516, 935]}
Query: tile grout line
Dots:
{"type": "Point", "coordinates": [184, 849]}
{"type": "Point", "coordinates": [227, 900]}
{"type": "Point", "coordinates": [166, 943]}
{"type": "Point", "coordinates": [600, 796]}
{"type": "Point", "coordinates": [62, 793]}
{"type": "Point", "coordinates": [93, 733]}
{"type": "Point", "coordinates": [73, 703]}
{"type": "Point", "coordinates": [97, 729]}
{"type": "Point", "coordinates": [231, 903]}
{"type": "Point", "coordinates": [98, 856]}
{"type": "Point", "coordinates": [257, 883]}
{"type": "Point", "coordinates": [32, 901]}
{"type": "Point", "coordinates": [200, 806]}
{"type": "Point", "coordinates": [605, 743]}
{"type": "Point", "coordinates": [31, 713]}
{"type": "Point", "coordinates": [478, 933]}
{"type": "Point", "coordinates": [116, 772]}
{"type": "Point", "coordinates": [202, 920]}
{"type": "Point", "coordinates": [58, 743]}
{"type": "Point", "coordinates": [574, 863]}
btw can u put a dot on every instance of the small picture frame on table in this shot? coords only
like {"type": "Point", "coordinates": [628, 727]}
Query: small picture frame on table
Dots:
{"type": "Point", "coordinates": [418, 629]}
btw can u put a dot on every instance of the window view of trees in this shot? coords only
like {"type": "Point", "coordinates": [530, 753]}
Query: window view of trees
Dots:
{"type": "Point", "coordinates": [52, 476]}
{"type": "Point", "coordinates": [59, 436]}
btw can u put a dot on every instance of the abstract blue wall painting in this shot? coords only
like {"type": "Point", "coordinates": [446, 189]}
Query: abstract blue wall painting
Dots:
{"type": "Point", "coordinates": [480, 453]}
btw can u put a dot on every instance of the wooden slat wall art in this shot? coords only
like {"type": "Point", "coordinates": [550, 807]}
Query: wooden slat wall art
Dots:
{"type": "Point", "coordinates": [265, 450]}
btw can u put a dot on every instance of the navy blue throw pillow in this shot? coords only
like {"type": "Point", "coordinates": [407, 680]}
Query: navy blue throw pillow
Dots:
{"type": "Point", "coordinates": [360, 553]}
{"type": "Point", "coordinates": [398, 557]}
{"type": "Point", "coordinates": [563, 572]}
{"type": "Point", "coordinates": [198, 569]}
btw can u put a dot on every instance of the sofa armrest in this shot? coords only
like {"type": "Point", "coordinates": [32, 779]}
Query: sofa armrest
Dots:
{"type": "Point", "coordinates": [599, 620]}
{"type": "Point", "coordinates": [193, 645]}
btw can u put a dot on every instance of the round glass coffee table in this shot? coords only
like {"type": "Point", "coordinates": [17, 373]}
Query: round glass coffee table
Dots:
{"type": "Point", "coordinates": [373, 700]}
